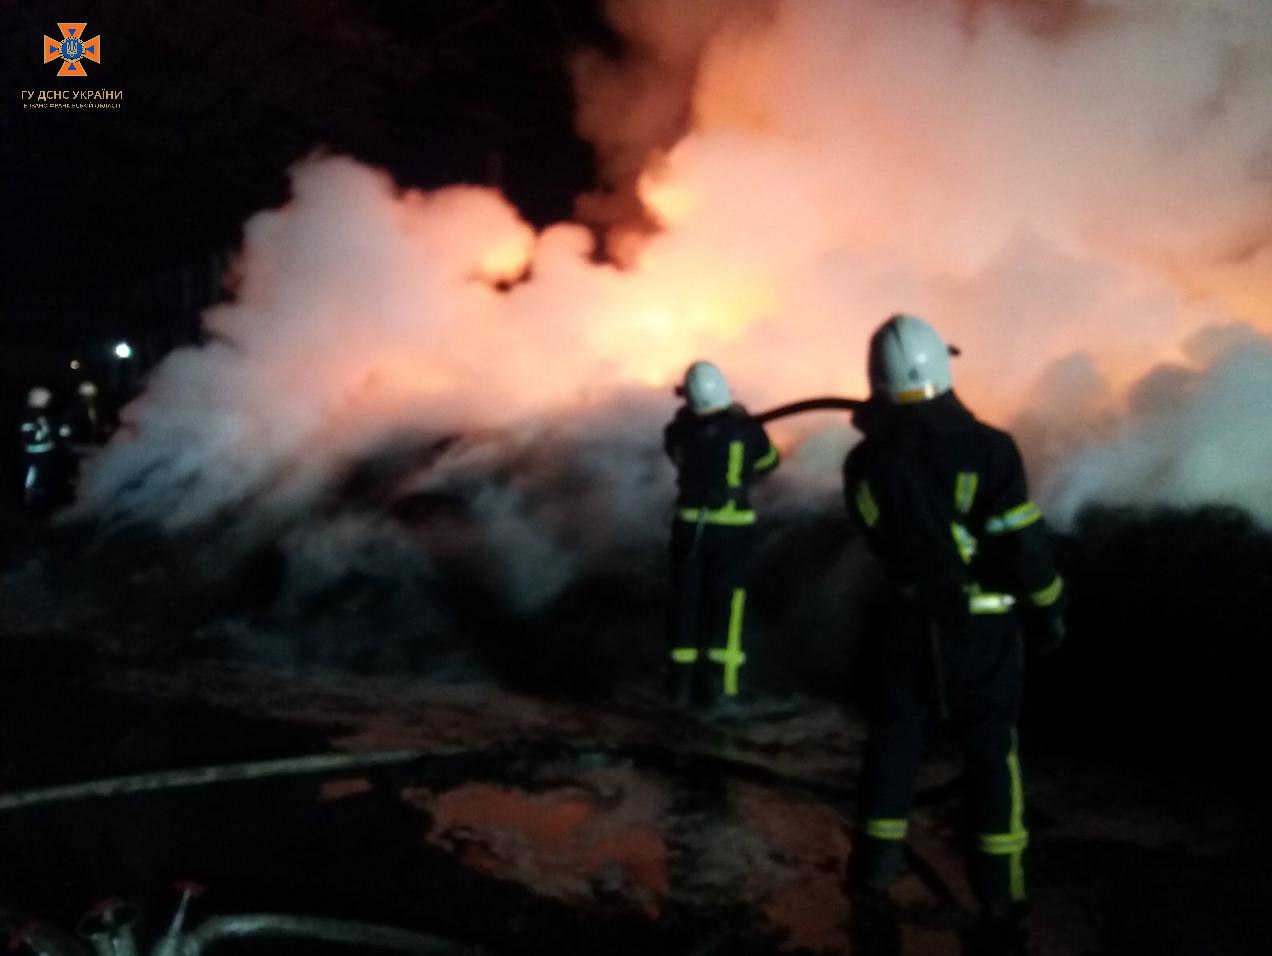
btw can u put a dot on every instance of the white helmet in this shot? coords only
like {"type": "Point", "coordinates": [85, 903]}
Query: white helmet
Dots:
{"type": "Point", "coordinates": [39, 397]}
{"type": "Point", "coordinates": [705, 389]}
{"type": "Point", "coordinates": [909, 362]}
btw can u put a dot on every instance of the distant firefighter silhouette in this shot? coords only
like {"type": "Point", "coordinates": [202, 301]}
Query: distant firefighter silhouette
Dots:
{"type": "Point", "coordinates": [43, 454]}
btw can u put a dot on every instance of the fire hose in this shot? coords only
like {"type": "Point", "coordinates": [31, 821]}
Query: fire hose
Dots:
{"type": "Point", "coordinates": [278, 926]}
{"type": "Point", "coordinates": [826, 403]}
{"type": "Point", "coordinates": [646, 754]}
{"type": "Point", "coordinates": [200, 776]}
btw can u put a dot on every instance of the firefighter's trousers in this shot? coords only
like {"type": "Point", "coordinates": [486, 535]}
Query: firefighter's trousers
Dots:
{"type": "Point", "coordinates": [39, 480]}
{"type": "Point", "coordinates": [968, 670]}
{"type": "Point", "coordinates": [709, 570]}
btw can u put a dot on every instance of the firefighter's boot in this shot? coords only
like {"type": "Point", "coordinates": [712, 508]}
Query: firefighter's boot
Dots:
{"type": "Point", "coordinates": [873, 928]}
{"type": "Point", "coordinates": [1004, 933]}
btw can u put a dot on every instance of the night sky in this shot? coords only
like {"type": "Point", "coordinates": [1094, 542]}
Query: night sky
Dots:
{"type": "Point", "coordinates": [119, 222]}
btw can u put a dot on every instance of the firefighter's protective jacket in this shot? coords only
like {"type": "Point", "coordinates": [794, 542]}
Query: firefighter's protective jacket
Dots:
{"type": "Point", "coordinates": [40, 436]}
{"type": "Point", "coordinates": [943, 502]}
{"type": "Point", "coordinates": [717, 458]}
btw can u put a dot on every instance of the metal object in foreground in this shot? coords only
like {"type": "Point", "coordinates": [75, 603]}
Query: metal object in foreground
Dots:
{"type": "Point", "coordinates": [276, 926]}
{"type": "Point", "coordinates": [44, 939]}
{"type": "Point", "coordinates": [109, 928]}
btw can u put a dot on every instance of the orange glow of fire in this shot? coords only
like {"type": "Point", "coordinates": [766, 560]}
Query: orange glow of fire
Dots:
{"type": "Point", "coordinates": [506, 261]}
{"type": "Point", "coordinates": [668, 201]}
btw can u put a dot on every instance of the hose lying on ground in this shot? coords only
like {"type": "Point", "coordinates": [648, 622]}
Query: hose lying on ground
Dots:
{"type": "Point", "coordinates": [277, 926]}
{"type": "Point", "coordinates": [198, 776]}
{"type": "Point", "coordinates": [464, 763]}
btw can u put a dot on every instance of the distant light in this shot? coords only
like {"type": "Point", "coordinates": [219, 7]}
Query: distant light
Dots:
{"type": "Point", "coordinates": [75, 363]}
{"type": "Point", "coordinates": [123, 350]}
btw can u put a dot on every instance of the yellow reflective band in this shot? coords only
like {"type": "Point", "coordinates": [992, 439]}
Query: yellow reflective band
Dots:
{"type": "Point", "coordinates": [990, 602]}
{"type": "Point", "coordinates": [684, 655]}
{"type": "Point", "coordinates": [881, 829]}
{"type": "Point", "coordinates": [866, 504]}
{"type": "Point", "coordinates": [730, 514]}
{"type": "Point", "coordinates": [1003, 844]}
{"type": "Point", "coordinates": [1017, 822]}
{"type": "Point", "coordinates": [965, 491]}
{"type": "Point", "coordinates": [1049, 595]}
{"type": "Point", "coordinates": [965, 541]}
{"type": "Point", "coordinates": [1017, 787]}
{"type": "Point", "coordinates": [769, 459]}
{"type": "Point", "coordinates": [734, 474]}
{"type": "Point", "coordinates": [1021, 516]}
{"type": "Point", "coordinates": [1017, 877]}
{"type": "Point", "coordinates": [912, 395]}
{"type": "Point", "coordinates": [732, 663]}
{"type": "Point", "coordinates": [730, 656]}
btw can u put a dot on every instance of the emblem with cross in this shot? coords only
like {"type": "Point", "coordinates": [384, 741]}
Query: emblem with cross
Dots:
{"type": "Point", "coordinates": [72, 49]}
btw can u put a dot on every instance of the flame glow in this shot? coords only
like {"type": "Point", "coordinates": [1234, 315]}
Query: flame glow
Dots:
{"type": "Point", "coordinates": [1085, 191]}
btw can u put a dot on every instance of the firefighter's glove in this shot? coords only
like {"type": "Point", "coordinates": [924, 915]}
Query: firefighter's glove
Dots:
{"type": "Point", "coordinates": [1044, 633]}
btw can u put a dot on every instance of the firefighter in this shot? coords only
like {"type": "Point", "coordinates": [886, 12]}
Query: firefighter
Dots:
{"type": "Point", "coordinates": [718, 451]}
{"type": "Point", "coordinates": [942, 502]}
{"type": "Point", "coordinates": [89, 428]}
{"type": "Point", "coordinates": [43, 447]}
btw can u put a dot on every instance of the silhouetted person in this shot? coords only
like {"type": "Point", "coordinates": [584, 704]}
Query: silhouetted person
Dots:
{"type": "Point", "coordinates": [43, 454]}
{"type": "Point", "coordinates": [718, 450]}
{"type": "Point", "coordinates": [942, 501]}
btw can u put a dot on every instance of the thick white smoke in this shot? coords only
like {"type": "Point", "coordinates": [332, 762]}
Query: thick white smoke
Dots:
{"type": "Point", "coordinates": [1195, 433]}
{"type": "Point", "coordinates": [1070, 199]}
{"type": "Point", "coordinates": [1069, 190]}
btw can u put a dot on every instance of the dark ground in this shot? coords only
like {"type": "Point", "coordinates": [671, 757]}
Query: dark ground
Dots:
{"type": "Point", "coordinates": [546, 822]}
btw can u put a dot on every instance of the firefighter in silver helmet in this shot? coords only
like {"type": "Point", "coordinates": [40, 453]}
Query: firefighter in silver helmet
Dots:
{"type": "Point", "coordinates": [719, 451]}
{"type": "Point", "coordinates": [942, 501]}
{"type": "Point", "coordinates": [43, 449]}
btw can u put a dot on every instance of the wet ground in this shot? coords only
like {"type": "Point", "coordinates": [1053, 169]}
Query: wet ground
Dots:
{"type": "Point", "coordinates": [529, 825]}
